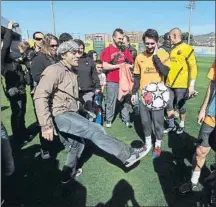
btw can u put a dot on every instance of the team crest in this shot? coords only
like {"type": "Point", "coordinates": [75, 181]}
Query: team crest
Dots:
{"type": "Point", "coordinates": [179, 52]}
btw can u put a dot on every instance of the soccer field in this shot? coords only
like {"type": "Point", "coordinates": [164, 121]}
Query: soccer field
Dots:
{"type": "Point", "coordinates": [105, 181]}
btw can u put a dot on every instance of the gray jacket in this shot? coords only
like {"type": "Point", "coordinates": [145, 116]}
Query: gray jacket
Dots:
{"type": "Point", "coordinates": [56, 93]}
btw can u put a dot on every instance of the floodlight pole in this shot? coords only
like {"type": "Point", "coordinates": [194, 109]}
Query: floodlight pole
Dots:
{"type": "Point", "coordinates": [53, 18]}
{"type": "Point", "coordinates": [191, 6]}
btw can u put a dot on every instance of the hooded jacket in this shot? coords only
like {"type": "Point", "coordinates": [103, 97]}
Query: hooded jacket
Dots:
{"type": "Point", "coordinates": [87, 74]}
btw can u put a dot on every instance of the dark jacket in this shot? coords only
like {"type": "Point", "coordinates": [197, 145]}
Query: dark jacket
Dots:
{"type": "Point", "coordinates": [39, 63]}
{"type": "Point", "coordinates": [27, 57]}
{"type": "Point", "coordinates": [87, 74]}
{"type": "Point", "coordinates": [11, 69]}
{"type": "Point", "coordinates": [133, 51]}
{"type": "Point", "coordinates": [166, 46]}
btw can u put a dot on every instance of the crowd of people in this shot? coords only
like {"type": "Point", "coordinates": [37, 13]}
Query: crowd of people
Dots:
{"type": "Point", "coordinates": [75, 96]}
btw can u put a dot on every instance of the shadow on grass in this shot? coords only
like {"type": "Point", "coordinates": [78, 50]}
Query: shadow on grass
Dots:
{"type": "Point", "coordinates": [122, 194]}
{"type": "Point", "coordinates": [4, 108]}
{"type": "Point", "coordinates": [33, 129]}
{"type": "Point", "coordinates": [173, 172]}
{"type": "Point", "coordinates": [36, 182]}
{"type": "Point", "coordinates": [91, 148]}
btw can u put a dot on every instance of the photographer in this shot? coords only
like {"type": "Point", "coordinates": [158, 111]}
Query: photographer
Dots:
{"type": "Point", "coordinates": [27, 54]}
{"type": "Point", "coordinates": [15, 86]}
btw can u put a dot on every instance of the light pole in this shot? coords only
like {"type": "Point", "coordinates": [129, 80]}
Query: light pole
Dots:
{"type": "Point", "coordinates": [191, 6]}
{"type": "Point", "coordinates": [53, 18]}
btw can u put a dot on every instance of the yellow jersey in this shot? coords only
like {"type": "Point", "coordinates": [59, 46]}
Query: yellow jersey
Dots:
{"type": "Point", "coordinates": [183, 66]}
{"type": "Point", "coordinates": [144, 67]}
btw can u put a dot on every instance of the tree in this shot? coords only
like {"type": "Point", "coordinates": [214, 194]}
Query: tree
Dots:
{"type": "Point", "coordinates": [185, 36]}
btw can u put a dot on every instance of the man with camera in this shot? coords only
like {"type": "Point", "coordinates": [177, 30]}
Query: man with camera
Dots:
{"type": "Point", "coordinates": [113, 57]}
{"type": "Point", "coordinates": [15, 86]}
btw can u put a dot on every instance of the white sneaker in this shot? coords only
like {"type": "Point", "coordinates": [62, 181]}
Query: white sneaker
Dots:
{"type": "Point", "coordinates": [180, 130]}
{"type": "Point", "coordinates": [170, 129]}
{"type": "Point", "coordinates": [79, 172]}
{"type": "Point", "coordinates": [108, 125]}
{"type": "Point", "coordinates": [128, 124]}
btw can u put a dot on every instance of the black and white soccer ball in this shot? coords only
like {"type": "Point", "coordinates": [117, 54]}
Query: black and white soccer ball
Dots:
{"type": "Point", "coordinates": [155, 96]}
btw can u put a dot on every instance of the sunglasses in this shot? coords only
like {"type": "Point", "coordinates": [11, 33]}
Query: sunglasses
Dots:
{"type": "Point", "coordinates": [38, 39]}
{"type": "Point", "coordinates": [149, 43]}
{"type": "Point", "coordinates": [100, 67]}
{"type": "Point", "coordinates": [53, 46]}
{"type": "Point", "coordinates": [76, 52]}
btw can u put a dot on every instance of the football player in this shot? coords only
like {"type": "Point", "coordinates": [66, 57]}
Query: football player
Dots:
{"type": "Point", "coordinates": [207, 117]}
{"type": "Point", "coordinates": [181, 78]}
{"type": "Point", "coordinates": [150, 66]}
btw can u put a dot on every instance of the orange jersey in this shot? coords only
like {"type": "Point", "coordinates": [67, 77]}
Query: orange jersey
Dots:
{"type": "Point", "coordinates": [212, 76]}
{"type": "Point", "coordinates": [144, 67]}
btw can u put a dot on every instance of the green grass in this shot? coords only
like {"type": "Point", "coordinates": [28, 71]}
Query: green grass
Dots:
{"type": "Point", "coordinates": [104, 181]}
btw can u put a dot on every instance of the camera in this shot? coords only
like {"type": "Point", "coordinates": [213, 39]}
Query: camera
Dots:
{"type": "Point", "coordinates": [15, 25]}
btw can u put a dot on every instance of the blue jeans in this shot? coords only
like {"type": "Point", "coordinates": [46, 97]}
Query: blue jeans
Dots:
{"type": "Point", "coordinates": [74, 129]}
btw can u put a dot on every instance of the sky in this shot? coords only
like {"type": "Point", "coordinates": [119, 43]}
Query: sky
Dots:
{"type": "Point", "coordinates": [86, 17]}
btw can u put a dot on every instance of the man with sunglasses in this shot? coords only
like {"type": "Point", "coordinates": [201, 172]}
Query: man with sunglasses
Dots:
{"type": "Point", "coordinates": [181, 78]}
{"type": "Point", "coordinates": [59, 85]}
{"type": "Point", "coordinates": [150, 66]}
{"type": "Point", "coordinates": [38, 41]}
{"type": "Point", "coordinates": [113, 57]}
{"type": "Point", "coordinates": [45, 57]}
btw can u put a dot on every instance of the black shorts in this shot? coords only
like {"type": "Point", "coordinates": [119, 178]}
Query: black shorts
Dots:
{"type": "Point", "coordinates": [206, 134]}
{"type": "Point", "coordinates": [179, 95]}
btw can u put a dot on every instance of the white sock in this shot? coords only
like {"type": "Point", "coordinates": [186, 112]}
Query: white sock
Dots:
{"type": "Point", "coordinates": [195, 177]}
{"type": "Point", "coordinates": [181, 124]}
{"type": "Point", "coordinates": [158, 143]}
{"type": "Point", "coordinates": [148, 140]}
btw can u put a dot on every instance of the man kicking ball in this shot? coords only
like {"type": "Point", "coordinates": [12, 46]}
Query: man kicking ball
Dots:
{"type": "Point", "coordinates": [56, 102]}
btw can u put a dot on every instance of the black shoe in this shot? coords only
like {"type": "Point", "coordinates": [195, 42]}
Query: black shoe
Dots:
{"type": "Point", "coordinates": [188, 187]}
{"type": "Point", "coordinates": [66, 175]}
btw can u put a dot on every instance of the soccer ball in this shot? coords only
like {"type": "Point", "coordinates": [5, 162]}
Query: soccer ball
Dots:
{"type": "Point", "coordinates": [155, 96]}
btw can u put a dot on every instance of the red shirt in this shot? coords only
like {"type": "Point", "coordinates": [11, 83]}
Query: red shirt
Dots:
{"type": "Point", "coordinates": [108, 55]}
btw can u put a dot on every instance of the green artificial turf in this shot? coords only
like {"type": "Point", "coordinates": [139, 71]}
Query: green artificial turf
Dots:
{"type": "Point", "coordinates": [105, 182]}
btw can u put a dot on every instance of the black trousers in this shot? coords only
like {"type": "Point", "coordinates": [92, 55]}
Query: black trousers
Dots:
{"type": "Point", "coordinates": [18, 109]}
{"type": "Point", "coordinates": [7, 160]}
{"type": "Point", "coordinates": [45, 145]}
